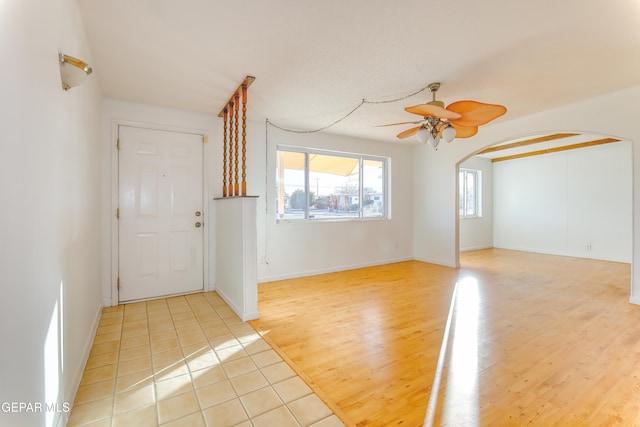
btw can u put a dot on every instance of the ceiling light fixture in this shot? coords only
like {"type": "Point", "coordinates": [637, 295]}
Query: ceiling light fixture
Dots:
{"type": "Point", "coordinates": [72, 71]}
{"type": "Point", "coordinates": [433, 127]}
{"type": "Point", "coordinates": [458, 120]}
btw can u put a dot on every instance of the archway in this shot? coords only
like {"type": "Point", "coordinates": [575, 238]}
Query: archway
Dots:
{"type": "Point", "coordinates": [566, 193]}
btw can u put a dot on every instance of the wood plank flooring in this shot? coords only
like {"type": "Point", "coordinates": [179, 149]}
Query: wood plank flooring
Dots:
{"type": "Point", "coordinates": [534, 340]}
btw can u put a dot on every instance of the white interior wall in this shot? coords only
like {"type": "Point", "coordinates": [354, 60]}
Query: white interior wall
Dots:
{"type": "Point", "coordinates": [435, 215]}
{"type": "Point", "coordinates": [530, 199]}
{"type": "Point", "coordinates": [435, 173]}
{"type": "Point", "coordinates": [477, 233]}
{"type": "Point", "coordinates": [236, 271]}
{"type": "Point", "coordinates": [298, 249]}
{"type": "Point", "coordinates": [600, 202]}
{"type": "Point", "coordinates": [326, 246]}
{"type": "Point", "coordinates": [573, 203]}
{"type": "Point", "coordinates": [50, 184]}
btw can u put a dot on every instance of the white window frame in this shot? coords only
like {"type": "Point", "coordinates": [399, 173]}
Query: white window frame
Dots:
{"type": "Point", "coordinates": [386, 196]}
{"type": "Point", "coordinates": [477, 189]}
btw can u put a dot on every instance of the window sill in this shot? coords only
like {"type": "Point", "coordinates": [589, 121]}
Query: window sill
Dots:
{"type": "Point", "coordinates": [329, 220]}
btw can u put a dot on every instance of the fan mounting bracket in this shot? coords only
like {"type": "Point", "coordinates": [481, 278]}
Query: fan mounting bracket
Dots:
{"type": "Point", "coordinates": [433, 87]}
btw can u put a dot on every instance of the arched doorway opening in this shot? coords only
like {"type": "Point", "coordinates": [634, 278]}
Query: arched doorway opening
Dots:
{"type": "Point", "coordinates": [566, 194]}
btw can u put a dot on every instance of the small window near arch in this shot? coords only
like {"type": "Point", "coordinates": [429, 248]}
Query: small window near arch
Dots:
{"type": "Point", "coordinates": [470, 203]}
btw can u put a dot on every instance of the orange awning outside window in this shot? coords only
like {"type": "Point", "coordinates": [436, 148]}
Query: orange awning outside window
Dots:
{"type": "Point", "coordinates": [334, 165]}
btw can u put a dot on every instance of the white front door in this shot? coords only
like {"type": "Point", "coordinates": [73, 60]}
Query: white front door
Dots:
{"type": "Point", "coordinates": [160, 230]}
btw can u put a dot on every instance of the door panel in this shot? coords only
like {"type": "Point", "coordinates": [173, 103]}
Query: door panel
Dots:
{"type": "Point", "coordinates": [160, 190]}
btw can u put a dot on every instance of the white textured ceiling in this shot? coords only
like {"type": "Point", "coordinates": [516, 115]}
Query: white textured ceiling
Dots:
{"type": "Point", "coordinates": [314, 61]}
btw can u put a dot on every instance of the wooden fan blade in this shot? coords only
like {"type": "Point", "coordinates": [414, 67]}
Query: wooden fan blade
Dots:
{"type": "Point", "coordinates": [426, 110]}
{"type": "Point", "coordinates": [476, 113]}
{"type": "Point", "coordinates": [464, 131]}
{"type": "Point", "coordinates": [409, 132]}
{"type": "Point", "coordinates": [401, 123]}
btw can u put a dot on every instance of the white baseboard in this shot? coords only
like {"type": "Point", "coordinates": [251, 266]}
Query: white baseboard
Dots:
{"type": "Point", "coordinates": [475, 248]}
{"type": "Point", "coordinates": [297, 274]}
{"type": "Point", "coordinates": [567, 254]}
{"type": "Point", "coordinates": [250, 316]}
{"type": "Point", "coordinates": [634, 300]}
{"type": "Point", "coordinates": [238, 310]}
{"type": "Point", "coordinates": [73, 389]}
{"type": "Point", "coordinates": [437, 262]}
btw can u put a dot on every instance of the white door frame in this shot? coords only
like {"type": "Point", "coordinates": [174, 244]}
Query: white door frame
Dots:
{"type": "Point", "coordinates": [115, 124]}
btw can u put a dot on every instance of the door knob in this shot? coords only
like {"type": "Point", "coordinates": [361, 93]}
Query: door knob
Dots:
{"type": "Point", "coordinates": [198, 224]}
{"type": "Point", "coordinates": [198, 213]}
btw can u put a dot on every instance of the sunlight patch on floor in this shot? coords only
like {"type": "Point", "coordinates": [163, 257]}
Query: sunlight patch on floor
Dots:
{"type": "Point", "coordinates": [460, 395]}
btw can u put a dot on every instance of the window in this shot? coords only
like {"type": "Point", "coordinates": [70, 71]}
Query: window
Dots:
{"type": "Point", "coordinates": [323, 185]}
{"type": "Point", "coordinates": [470, 181]}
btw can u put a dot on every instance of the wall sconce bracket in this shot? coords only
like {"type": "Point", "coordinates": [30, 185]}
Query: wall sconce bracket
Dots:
{"type": "Point", "coordinates": [73, 71]}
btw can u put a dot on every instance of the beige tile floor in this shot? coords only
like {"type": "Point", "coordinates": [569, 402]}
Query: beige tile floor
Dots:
{"type": "Point", "coordinates": [189, 361]}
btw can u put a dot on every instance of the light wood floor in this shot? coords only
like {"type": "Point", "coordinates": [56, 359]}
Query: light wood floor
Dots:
{"type": "Point", "coordinates": [534, 340]}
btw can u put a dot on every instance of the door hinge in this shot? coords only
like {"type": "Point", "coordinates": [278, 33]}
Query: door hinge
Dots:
{"type": "Point", "coordinates": [118, 213]}
{"type": "Point", "coordinates": [205, 138]}
{"type": "Point", "coordinates": [118, 144]}
{"type": "Point", "coordinates": [118, 283]}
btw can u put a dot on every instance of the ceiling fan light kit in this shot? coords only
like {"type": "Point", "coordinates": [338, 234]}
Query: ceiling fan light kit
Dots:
{"type": "Point", "coordinates": [458, 120]}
